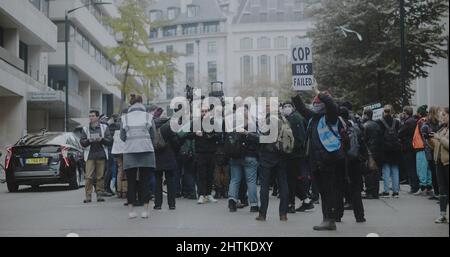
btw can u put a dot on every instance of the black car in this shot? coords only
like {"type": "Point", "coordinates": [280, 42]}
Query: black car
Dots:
{"type": "Point", "coordinates": [45, 158]}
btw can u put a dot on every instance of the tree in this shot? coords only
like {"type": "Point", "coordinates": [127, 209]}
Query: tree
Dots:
{"type": "Point", "coordinates": [367, 69]}
{"type": "Point", "coordinates": [134, 55]}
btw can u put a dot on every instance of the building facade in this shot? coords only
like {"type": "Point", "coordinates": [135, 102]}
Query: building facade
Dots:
{"type": "Point", "coordinates": [27, 36]}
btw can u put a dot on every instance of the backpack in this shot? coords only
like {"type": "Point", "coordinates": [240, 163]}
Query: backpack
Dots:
{"type": "Point", "coordinates": [353, 133]}
{"type": "Point", "coordinates": [417, 141]}
{"type": "Point", "coordinates": [390, 137]}
{"type": "Point", "coordinates": [233, 146]}
{"type": "Point", "coordinates": [285, 141]}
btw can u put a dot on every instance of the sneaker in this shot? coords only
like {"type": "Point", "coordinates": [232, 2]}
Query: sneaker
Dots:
{"type": "Point", "coordinates": [395, 195]}
{"type": "Point", "coordinates": [211, 199]}
{"type": "Point", "coordinates": [87, 201]}
{"type": "Point", "coordinates": [419, 192]}
{"type": "Point", "coordinates": [441, 220]}
{"type": "Point", "coordinates": [240, 205]}
{"type": "Point", "coordinates": [305, 207]}
{"type": "Point", "coordinates": [100, 199]}
{"type": "Point", "coordinates": [202, 200]}
{"type": "Point", "coordinates": [385, 195]}
{"type": "Point", "coordinates": [291, 209]}
{"type": "Point", "coordinates": [254, 209]}
{"type": "Point", "coordinates": [156, 207]}
{"type": "Point", "coordinates": [348, 207]}
{"type": "Point", "coordinates": [232, 205]}
{"type": "Point", "coordinates": [172, 207]}
{"type": "Point", "coordinates": [144, 215]}
{"type": "Point", "coordinates": [132, 215]}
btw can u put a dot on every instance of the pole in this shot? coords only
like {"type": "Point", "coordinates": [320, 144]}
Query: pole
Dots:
{"type": "Point", "coordinates": [66, 71]}
{"type": "Point", "coordinates": [405, 100]}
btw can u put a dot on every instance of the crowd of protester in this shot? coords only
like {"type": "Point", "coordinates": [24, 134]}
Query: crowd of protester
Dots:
{"type": "Point", "coordinates": [326, 150]}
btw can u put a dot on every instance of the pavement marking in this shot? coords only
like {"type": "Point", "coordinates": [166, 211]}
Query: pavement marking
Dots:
{"type": "Point", "coordinates": [373, 235]}
{"type": "Point", "coordinates": [72, 235]}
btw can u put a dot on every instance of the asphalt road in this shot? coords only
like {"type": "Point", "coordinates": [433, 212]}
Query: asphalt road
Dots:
{"type": "Point", "coordinates": [57, 211]}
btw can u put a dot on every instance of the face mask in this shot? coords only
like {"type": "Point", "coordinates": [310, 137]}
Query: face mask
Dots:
{"type": "Point", "coordinates": [287, 111]}
{"type": "Point", "coordinates": [318, 108]}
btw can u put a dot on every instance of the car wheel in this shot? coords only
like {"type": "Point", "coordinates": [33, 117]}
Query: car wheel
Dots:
{"type": "Point", "coordinates": [12, 187]}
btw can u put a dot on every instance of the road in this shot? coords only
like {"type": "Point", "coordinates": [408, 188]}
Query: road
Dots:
{"type": "Point", "coordinates": [57, 211]}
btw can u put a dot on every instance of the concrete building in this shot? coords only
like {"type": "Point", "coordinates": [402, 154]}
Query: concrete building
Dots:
{"type": "Point", "coordinates": [26, 37]}
{"type": "Point", "coordinates": [259, 41]}
{"type": "Point", "coordinates": [92, 75]}
{"type": "Point", "coordinates": [196, 30]}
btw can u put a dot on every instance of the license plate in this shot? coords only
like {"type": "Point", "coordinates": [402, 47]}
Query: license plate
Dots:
{"type": "Point", "coordinates": [37, 161]}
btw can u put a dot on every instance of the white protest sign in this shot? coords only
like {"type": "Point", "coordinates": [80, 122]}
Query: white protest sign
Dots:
{"type": "Point", "coordinates": [377, 110]}
{"type": "Point", "coordinates": [302, 72]}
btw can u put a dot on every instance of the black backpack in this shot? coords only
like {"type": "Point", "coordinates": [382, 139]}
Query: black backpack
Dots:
{"type": "Point", "coordinates": [390, 137]}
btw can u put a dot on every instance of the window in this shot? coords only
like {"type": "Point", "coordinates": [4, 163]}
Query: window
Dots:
{"type": "Point", "coordinates": [193, 10]}
{"type": "Point", "coordinates": [61, 30]}
{"type": "Point", "coordinates": [190, 49]}
{"type": "Point", "coordinates": [190, 29]}
{"type": "Point", "coordinates": [155, 15]}
{"type": "Point", "coordinates": [246, 18]}
{"type": "Point", "coordinates": [169, 49]}
{"type": "Point", "coordinates": [281, 67]}
{"type": "Point", "coordinates": [190, 74]}
{"type": "Point", "coordinates": [246, 69]}
{"type": "Point", "coordinates": [211, 27]}
{"type": "Point", "coordinates": [153, 33]}
{"type": "Point", "coordinates": [280, 4]}
{"type": "Point", "coordinates": [298, 5]}
{"type": "Point", "coordinates": [264, 67]}
{"type": "Point", "coordinates": [298, 15]}
{"type": "Point", "coordinates": [212, 71]}
{"type": "Point", "coordinates": [172, 13]}
{"type": "Point", "coordinates": [246, 43]}
{"type": "Point", "coordinates": [23, 54]}
{"type": "Point", "coordinates": [263, 42]}
{"type": "Point", "coordinates": [212, 47]}
{"type": "Point", "coordinates": [1, 37]}
{"type": "Point", "coordinates": [263, 17]}
{"type": "Point", "coordinates": [170, 31]}
{"type": "Point", "coordinates": [85, 44]}
{"type": "Point", "coordinates": [280, 42]}
{"type": "Point", "coordinates": [280, 16]}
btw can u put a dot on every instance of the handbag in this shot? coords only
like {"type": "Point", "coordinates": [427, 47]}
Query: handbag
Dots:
{"type": "Point", "coordinates": [371, 164]}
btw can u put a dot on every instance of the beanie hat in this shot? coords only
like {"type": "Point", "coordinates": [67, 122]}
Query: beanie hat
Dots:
{"type": "Point", "coordinates": [422, 110]}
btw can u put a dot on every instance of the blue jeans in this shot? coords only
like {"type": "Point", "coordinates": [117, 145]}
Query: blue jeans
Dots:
{"type": "Point", "coordinates": [239, 167]}
{"type": "Point", "coordinates": [423, 170]}
{"type": "Point", "coordinates": [391, 171]}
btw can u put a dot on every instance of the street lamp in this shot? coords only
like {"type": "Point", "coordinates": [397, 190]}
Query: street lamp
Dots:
{"type": "Point", "coordinates": [405, 100]}
{"type": "Point", "coordinates": [66, 40]}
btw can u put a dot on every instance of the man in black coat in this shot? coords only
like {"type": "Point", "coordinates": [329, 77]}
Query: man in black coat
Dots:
{"type": "Point", "coordinates": [323, 163]}
{"type": "Point", "coordinates": [373, 142]}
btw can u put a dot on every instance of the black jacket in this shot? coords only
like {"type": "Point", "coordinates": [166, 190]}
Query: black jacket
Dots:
{"type": "Point", "coordinates": [406, 133]}
{"type": "Point", "coordinates": [392, 157]}
{"type": "Point", "coordinates": [298, 127]}
{"type": "Point", "coordinates": [165, 158]}
{"type": "Point", "coordinates": [373, 139]}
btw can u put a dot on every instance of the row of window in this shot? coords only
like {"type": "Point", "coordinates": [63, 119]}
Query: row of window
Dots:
{"type": "Point", "coordinates": [41, 5]}
{"type": "Point", "coordinates": [263, 68]}
{"type": "Point", "coordinates": [265, 42]}
{"type": "Point", "coordinates": [173, 12]}
{"type": "Point", "coordinates": [278, 4]}
{"type": "Point", "coordinates": [75, 35]}
{"type": "Point", "coordinates": [186, 29]}
{"type": "Point", "coordinates": [97, 13]}
{"type": "Point", "coordinates": [278, 16]}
